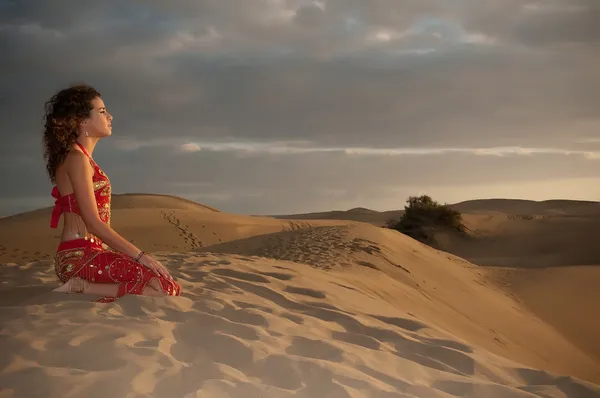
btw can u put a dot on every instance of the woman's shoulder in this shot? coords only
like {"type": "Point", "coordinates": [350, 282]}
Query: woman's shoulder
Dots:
{"type": "Point", "coordinates": [76, 159]}
{"type": "Point", "coordinates": [75, 153]}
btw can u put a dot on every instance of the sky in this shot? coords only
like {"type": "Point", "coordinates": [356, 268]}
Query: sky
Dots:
{"type": "Point", "coordinates": [291, 106]}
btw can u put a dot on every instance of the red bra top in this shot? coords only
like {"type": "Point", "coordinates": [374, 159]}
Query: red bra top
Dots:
{"type": "Point", "coordinates": [68, 203]}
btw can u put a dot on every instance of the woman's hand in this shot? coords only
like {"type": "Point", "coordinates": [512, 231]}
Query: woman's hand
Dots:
{"type": "Point", "coordinates": [155, 266]}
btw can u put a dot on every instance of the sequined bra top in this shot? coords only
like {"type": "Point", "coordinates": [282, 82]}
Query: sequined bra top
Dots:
{"type": "Point", "coordinates": [68, 203]}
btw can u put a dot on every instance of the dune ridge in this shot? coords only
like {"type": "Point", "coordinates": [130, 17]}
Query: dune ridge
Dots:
{"type": "Point", "coordinates": [293, 308]}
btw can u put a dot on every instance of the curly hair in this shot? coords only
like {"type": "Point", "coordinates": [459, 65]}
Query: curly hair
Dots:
{"type": "Point", "coordinates": [63, 114]}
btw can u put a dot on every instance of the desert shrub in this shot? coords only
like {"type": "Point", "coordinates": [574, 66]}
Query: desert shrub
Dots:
{"type": "Point", "coordinates": [423, 217]}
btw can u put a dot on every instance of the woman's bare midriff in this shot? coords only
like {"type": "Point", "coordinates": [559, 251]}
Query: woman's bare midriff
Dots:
{"type": "Point", "coordinates": [74, 228]}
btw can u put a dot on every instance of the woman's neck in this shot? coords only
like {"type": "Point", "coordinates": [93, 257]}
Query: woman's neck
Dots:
{"type": "Point", "coordinates": [89, 143]}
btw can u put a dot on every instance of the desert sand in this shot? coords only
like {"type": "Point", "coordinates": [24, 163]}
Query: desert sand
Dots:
{"type": "Point", "coordinates": [320, 305]}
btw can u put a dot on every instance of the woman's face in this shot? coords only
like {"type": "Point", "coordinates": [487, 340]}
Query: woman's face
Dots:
{"type": "Point", "coordinates": [99, 122]}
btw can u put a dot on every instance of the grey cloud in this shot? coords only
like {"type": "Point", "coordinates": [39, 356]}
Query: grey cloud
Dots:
{"type": "Point", "coordinates": [490, 95]}
{"type": "Point", "coordinates": [573, 23]}
{"type": "Point", "coordinates": [304, 25]}
{"type": "Point", "coordinates": [530, 23]}
{"type": "Point", "coordinates": [471, 99]}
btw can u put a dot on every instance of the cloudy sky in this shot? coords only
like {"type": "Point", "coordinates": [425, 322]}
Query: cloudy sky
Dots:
{"type": "Point", "coordinates": [287, 106]}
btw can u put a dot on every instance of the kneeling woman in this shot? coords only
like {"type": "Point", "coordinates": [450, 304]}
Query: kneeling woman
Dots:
{"type": "Point", "coordinates": [92, 258]}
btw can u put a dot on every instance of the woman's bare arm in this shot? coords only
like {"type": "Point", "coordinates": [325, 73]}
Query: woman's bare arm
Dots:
{"type": "Point", "coordinates": [80, 173]}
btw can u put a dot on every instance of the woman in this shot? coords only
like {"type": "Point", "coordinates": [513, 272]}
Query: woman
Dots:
{"type": "Point", "coordinates": [75, 120]}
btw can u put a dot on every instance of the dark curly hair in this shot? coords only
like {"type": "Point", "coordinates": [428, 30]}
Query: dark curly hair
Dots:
{"type": "Point", "coordinates": [63, 114]}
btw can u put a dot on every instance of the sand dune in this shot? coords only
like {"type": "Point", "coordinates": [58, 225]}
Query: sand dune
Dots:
{"type": "Point", "coordinates": [155, 201]}
{"type": "Point", "coordinates": [527, 241]}
{"type": "Point", "coordinates": [356, 214]}
{"type": "Point", "coordinates": [183, 226]}
{"type": "Point", "coordinates": [508, 232]}
{"type": "Point", "coordinates": [514, 207]}
{"type": "Point", "coordinates": [561, 296]}
{"type": "Point", "coordinates": [293, 308]}
{"type": "Point", "coordinates": [524, 207]}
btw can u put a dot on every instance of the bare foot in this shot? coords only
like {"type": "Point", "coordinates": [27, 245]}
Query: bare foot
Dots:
{"type": "Point", "coordinates": [73, 285]}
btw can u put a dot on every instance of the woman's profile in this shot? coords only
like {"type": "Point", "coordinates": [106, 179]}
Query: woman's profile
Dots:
{"type": "Point", "coordinates": [91, 257]}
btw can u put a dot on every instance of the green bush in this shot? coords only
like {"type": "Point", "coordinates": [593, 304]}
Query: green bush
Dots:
{"type": "Point", "coordinates": [423, 217]}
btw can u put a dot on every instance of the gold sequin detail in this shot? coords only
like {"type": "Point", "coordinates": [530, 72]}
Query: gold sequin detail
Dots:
{"type": "Point", "coordinates": [68, 267]}
{"type": "Point", "coordinates": [75, 254]}
{"type": "Point", "coordinates": [100, 184]}
{"type": "Point", "coordinates": [61, 257]}
{"type": "Point", "coordinates": [66, 255]}
{"type": "Point", "coordinates": [106, 191]}
{"type": "Point", "coordinates": [104, 212]}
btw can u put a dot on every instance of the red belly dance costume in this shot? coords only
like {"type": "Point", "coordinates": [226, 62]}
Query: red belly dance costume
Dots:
{"type": "Point", "coordinates": [91, 259]}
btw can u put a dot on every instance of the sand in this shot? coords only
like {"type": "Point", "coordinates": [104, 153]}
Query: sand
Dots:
{"type": "Point", "coordinates": [300, 308]}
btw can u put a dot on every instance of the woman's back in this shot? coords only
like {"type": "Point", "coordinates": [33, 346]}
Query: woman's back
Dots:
{"type": "Point", "coordinates": [68, 203]}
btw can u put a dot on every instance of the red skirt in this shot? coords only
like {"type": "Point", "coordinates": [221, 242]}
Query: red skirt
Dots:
{"type": "Point", "coordinates": [97, 264]}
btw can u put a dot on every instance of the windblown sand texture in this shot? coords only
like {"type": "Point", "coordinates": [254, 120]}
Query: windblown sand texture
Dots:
{"type": "Point", "coordinates": [304, 307]}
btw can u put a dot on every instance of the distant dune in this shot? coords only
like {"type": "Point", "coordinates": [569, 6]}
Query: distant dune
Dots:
{"type": "Point", "coordinates": [319, 305]}
{"type": "Point", "coordinates": [515, 206]}
{"type": "Point", "coordinates": [356, 214]}
{"type": "Point", "coordinates": [487, 206]}
{"type": "Point", "coordinates": [156, 201]}
{"type": "Point", "coordinates": [507, 232]}
{"type": "Point", "coordinates": [527, 241]}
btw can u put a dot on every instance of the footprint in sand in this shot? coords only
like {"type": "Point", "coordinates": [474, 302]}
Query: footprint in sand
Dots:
{"type": "Point", "coordinates": [183, 231]}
